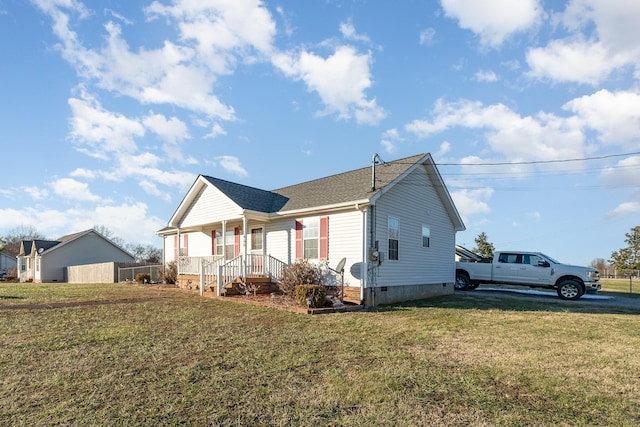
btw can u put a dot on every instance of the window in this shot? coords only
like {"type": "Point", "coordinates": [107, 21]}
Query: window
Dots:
{"type": "Point", "coordinates": [256, 239]}
{"type": "Point", "coordinates": [23, 264]}
{"type": "Point", "coordinates": [426, 236]}
{"type": "Point", "coordinates": [394, 233]}
{"type": "Point", "coordinates": [310, 238]}
{"type": "Point", "coordinates": [510, 258]}
{"type": "Point", "coordinates": [229, 245]}
{"type": "Point", "coordinates": [218, 243]}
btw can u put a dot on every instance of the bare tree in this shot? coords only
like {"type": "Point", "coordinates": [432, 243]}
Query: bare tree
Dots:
{"type": "Point", "coordinates": [106, 232]}
{"type": "Point", "coordinates": [15, 236]}
{"type": "Point", "coordinates": [145, 253]}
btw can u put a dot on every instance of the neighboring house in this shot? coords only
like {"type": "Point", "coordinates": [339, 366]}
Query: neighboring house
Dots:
{"type": "Point", "coordinates": [7, 264]}
{"type": "Point", "coordinates": [394, 224]}
{"type": "Point", "coordinates": [47, 260]}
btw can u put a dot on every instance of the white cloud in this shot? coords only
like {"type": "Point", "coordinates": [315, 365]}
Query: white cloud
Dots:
{"type": "Point", "coordinates": [171, 130]}
{"type": "Point", "coordinates": [472, 202]}
{"type": "Point", "coordinates": [487, 76]}
{"type": "Point", "coordinates": [614, 115]}
{"type": "Point", "coordinates": [604, 38]}
{"type": "Point", "coordinates": [625, 174]}
{"type": "Point", "coordinates": [444, 149]}
{"type": "Point", "coordinates": [573, 61]}
{"type": "Point", "coordinates": [100, 133]}
{"type": "Point", "coordinates": [36, 193]}
{"type": "Point", "coordinates": [221, 28]}
{"type": "Point", "coordinates": [216, 130]}
{"type": "Point", "coordinates": [72, 189]}
{"type": "Point", "coordinates": [132, 221]}
{"type": "Point", "coordinates": [540, 137]}
{"type": "Point", "coordinates": [427, 36]}
{"type": "Point", "coordinates": [232, 165]}
{"type": "Point", "coordinates": [340, 80]}
{"type": "Point", "coordinates": [496, 20]}
{"type": "Point", "coordinates": [82, 173]}
{"type": "Point", "coordinates": [627, 208]}
{"type": "Point", "coordinates": [390, 140]}
{"type": "Point", "coordinates": [349, 32]}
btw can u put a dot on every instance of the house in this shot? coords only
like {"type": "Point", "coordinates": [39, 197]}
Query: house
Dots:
{"type": "Point", "coordinates": [392, 225]}
{"type": "Point", "coordinates": [7, 264]}
{"type": "Point", "coordinates": [47, 260]}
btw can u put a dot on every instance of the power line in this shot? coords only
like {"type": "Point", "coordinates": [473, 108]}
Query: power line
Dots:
{"type": "Point", "coordinates": [537, 162]}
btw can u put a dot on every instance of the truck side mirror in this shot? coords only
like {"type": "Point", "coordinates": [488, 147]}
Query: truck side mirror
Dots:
{"type": "Point", "coordinates": [543, 263]}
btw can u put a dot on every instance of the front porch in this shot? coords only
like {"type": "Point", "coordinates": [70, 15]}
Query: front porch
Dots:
{"type": "Point", "coordinates": [250, 274]}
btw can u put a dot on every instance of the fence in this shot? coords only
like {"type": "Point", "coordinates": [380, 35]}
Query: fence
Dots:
{"type": "Point", "coordinates": [127, 274]}
{"type": "Point", "coordinates": [612, 273]}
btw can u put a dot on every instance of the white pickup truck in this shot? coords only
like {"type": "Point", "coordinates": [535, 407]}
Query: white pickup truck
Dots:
{"type": "Point", "coordinates": [532, 269]}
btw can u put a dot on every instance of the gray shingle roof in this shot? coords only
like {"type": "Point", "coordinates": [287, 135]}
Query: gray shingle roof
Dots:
{"type": "Point", "coordinates": [249, 197]}
{"type": "Point", "coordinates": [40, 244]}
{"type": "Point", "coordinates": [344, 187]}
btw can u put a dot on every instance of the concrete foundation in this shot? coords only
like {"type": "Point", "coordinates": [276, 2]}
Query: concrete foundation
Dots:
{"type": "Point", "coordinates": [393, 294]}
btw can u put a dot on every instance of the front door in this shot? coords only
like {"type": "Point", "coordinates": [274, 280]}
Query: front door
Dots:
{"type": "Point", "coordinates": [256, 259]}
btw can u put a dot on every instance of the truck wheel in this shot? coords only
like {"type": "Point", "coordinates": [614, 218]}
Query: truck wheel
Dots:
{"type": "Point", "coordinates": [570, 289]}
{"type": "Point", "coordinates": [462, 282]}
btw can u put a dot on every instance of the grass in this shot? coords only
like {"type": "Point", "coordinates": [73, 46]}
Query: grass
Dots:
{"type": "Point", "coordinates": [132, 355]}
{"type": "Point", "coordinates": [631, 287]}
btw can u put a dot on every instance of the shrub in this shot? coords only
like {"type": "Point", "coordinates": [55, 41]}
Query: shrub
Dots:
{"type": "Point", "coordinates": [169, 273]}
{"type": "Point", "coordinates": [311, 295]}
{"type": "Point", "coordinates": [299, 273]}
{"type": "Point", "coordinates": [143, 278]}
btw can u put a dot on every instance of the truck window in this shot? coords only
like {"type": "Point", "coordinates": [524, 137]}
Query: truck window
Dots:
{"type": "Point", "coordinates": [510, 258]}
{"type": "Point", "coordinates": [530, 259]}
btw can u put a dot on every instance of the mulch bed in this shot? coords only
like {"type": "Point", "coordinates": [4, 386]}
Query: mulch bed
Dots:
{"type": "Point", "coordinates": [282, 302]}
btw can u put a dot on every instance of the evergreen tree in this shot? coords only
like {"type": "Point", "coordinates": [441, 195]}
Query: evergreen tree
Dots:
{"type": "Point", "coordinates": [483, 247]}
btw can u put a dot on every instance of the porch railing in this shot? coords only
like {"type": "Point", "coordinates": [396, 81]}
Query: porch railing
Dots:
{"type": "Point", "coordinates": [193, 264]}
{"type": "Point", "coordinates": [213, 270]}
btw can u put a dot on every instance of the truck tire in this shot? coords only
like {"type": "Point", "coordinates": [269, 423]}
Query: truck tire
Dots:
{"type": "Point", "coordinates": [570, 289]}
{"type": "Point", "coordinates": [462, 282]}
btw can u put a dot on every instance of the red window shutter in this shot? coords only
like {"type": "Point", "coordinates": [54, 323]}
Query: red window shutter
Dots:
{"type": "Point", "coordinates": [299, 253]}
{"type": "Point", "coordinates": [236, 235]}
{"type": "Point", "coordinates": [324, 238]}
{"type": "Point", "coordinates": [185, 250]}
{"type": "Point", "coordinates": [175, 247]}
{"type": "Point", "coordinates": [213, 242]}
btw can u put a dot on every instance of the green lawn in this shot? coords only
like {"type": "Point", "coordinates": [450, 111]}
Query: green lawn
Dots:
{"type": "Point", "coordinates": [130, 355]}
{"type": "Point", "coordinates": [631, 287]}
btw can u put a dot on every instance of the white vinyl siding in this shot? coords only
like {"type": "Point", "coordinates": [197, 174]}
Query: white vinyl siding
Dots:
{"type": "Point", "coordinates": [210, 206]}
{"type": "Point", "coordinates": [345, 241]}
{"type": "Point", "coordinates": [415, 203]}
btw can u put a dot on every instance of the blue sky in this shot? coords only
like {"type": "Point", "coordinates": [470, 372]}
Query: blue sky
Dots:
{"type": "Point", "coordinates": [110, 109]}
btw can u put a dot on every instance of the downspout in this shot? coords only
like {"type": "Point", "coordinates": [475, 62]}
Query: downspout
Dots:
{"type": "Point", "coordinates": [365, 257]}
{"type": "Point", "coordinates": [372, 242]}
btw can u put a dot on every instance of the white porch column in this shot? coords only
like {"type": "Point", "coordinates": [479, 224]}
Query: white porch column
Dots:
{"type": "Point", "coordinates": [224, 240]}
{"type": "Point", "coordinates": [244, 242]}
